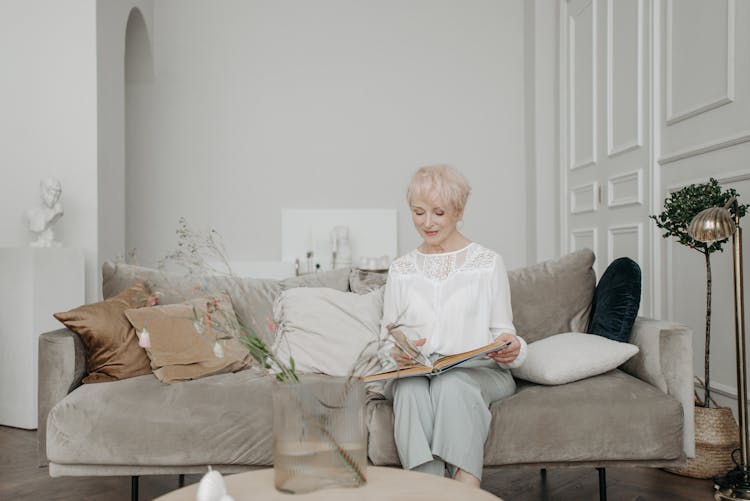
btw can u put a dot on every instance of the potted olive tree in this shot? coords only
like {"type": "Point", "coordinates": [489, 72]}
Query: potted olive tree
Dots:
{"type": "Point", "coordinates": [713, 446]}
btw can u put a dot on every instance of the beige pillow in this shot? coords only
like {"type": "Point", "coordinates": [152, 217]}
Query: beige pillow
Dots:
{"type": "Point", "coordinates": [554, 296]}
{"type": "Point", "coordinates": [326, 330]}
{"type": "Point", "coordinates": [178, 352]}
{"type": "Point", "coordinates": [112, 350]}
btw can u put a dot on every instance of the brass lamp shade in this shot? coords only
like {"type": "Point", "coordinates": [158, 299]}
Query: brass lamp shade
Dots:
{"type": "Point", "coordinates": [712, 224]}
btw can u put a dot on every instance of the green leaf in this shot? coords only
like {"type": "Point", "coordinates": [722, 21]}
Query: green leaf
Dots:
{"type": "Point", "coordinates": [683, 205]}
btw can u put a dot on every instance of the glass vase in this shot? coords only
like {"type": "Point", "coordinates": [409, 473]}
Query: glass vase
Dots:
{"type": "Point", "coordinates": [319, 434]}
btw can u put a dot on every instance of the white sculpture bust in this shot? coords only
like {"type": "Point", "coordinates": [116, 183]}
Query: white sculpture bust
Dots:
{"type": "Point", "coordinates": [41, 219]}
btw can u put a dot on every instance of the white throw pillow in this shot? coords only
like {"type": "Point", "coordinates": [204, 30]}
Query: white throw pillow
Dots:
{"type": "Point", "coordinates": [326, 330]}
{"type": "Point", "coordinates": [564, 358]}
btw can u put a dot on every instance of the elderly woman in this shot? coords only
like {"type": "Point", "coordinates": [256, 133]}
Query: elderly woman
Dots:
{"type": "Point", "coordinates": [455, 294]}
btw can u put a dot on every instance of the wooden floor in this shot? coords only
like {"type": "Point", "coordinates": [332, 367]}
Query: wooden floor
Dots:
{"type": "Point", "coordinates": [21, 478]}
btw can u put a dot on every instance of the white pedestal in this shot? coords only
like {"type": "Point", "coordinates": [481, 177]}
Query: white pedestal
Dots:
{"type": "Point", "coordinates": [34, 284]}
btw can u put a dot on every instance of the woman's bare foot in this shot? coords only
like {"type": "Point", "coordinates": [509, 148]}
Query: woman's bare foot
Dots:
{"type": "Point", "coordinates": [466, 478]}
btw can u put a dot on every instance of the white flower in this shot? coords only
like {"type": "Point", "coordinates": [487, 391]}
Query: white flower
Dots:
{"type": "Point", "coordinates": [198, 326]}
{"type": "Point", "coordinates": [218, 350]}
{"type": "Point", "coordinates": [145, 339]}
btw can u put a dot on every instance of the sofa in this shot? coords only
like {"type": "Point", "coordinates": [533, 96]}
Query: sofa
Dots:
{"type": "Point", "coordinates": [639, 414]}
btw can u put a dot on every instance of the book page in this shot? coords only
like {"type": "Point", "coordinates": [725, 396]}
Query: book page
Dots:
{"type": "Point", "coordinates": [405, 344]}
{"type": "Point", "coordinates": [398, 373]}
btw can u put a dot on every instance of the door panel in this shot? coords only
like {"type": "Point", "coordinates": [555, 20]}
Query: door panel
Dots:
{"type": "Point", "coordinates": [608, 99]}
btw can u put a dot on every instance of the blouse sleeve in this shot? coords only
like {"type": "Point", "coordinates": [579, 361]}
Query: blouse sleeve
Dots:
{"type": "Point", "coordinates": [502, 313]}
{"type": "Point", "coordinates": [501, 317]}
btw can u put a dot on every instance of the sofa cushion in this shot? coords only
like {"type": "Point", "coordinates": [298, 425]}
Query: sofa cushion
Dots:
{"type": "Point", "coordinates": [223, 419]}
{"type": "Point", "coordinates": [616, 300]}
{"type": "Point", "coordinates": [327, 331]}
{"type": "Point", "coordinates": [570, 356]}
{"type": "Point", "coordinates": [596, 419]}
{"type": "Point", "coordinates": [178, 351]}
{"type": "Point", "coordinates": [553, 296]}
{"type": "Point", "coordinates": [112, 350]}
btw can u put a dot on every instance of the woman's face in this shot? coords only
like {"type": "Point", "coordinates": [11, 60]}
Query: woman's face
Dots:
{"type": "Point", "coordinates": [435, 220]}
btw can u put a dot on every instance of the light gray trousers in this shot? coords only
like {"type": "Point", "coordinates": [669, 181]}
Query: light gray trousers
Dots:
{"type": "Point", "coordinates": [444, 420]}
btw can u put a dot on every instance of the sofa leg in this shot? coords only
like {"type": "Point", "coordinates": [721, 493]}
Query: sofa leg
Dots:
{"type": "Point", "coordinates": [134, 488]}
{"type": "Point", "coordinates": [602, 484]}
{"type": "Point", "coordinates": [181, 480]}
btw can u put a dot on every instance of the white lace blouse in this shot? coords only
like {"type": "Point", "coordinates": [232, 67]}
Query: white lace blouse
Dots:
{"type": "Point", "coordinates": [457, 300]}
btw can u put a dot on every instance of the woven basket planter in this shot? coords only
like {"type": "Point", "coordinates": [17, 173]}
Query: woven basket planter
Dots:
{"type": "Point", "coordinates": [716, 436]}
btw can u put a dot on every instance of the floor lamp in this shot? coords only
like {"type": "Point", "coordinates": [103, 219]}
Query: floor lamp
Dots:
{"type": "Point", "coordinates": [710, 225]}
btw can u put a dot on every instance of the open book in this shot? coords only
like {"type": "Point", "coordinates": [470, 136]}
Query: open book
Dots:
{"type": "Point", "coordinates": [421, 365]}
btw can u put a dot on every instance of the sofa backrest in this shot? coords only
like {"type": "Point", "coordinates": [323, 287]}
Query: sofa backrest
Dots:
{"type": "Point", "coordinates": [547, 298]}
{"type": "Point", "coordinates": [553, 296]}
{"type": "Point", "coordinates": [252, 298]}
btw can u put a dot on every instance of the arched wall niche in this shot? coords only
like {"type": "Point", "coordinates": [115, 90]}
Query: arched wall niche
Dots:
{"type": "Point", "coordinates": [139, 62]}
{"type": "Point", "coordinates": [123, 52]}
{"type": "Point", "coordinates": [139, 78]}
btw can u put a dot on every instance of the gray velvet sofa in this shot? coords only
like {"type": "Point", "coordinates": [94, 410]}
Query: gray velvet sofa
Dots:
{"type": "Point", "coordinates": [639, 414]}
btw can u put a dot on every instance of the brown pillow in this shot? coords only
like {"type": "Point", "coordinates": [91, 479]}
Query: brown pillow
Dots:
{"type": "Point", "coordinates": [178, 352]}
{"type": "Point", "coordinates": [112, 350]}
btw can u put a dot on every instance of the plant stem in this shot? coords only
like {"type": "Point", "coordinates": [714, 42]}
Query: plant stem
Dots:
{"type": "Point", "coordinates": [706, 362]}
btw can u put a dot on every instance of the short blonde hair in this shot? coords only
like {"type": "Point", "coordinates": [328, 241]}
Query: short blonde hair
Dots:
{"type": "Point", "coordinates": [439, 182]}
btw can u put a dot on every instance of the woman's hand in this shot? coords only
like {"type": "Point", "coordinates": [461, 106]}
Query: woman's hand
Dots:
{"type": "Point", "coordinates": [509, 354]}
{"type": "Point", "coordinates": [402, 358]}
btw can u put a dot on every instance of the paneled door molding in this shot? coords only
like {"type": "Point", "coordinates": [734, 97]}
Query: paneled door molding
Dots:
{"type": "Point", "coordinates": [625, 189]}
{"type": "Point", "coordinates": [719, 144]}
{"type": "Point", "coordinates": [584, 198]}
{"type": "Point", "coordinates": [634, 231]}
{"type": "Point", "coordinates": [615, 83]}
{"type": "Point", "coordinates": [618, 34]}
{"type": "Point", "coordinates": [581, 28]}
{"type": "Point", "coordinates": [689, 111]}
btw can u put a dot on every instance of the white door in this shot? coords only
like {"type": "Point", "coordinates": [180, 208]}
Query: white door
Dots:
{"type": "Point", "coordinates": [606, 137]}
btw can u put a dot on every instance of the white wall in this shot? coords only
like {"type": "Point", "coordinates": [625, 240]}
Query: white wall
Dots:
{"type": "Point", "coordinates": [542, 118]}
{"type": "Point", "coordinates": [258, 106]}
{"type": "Point", "coordinates": [48, 119]}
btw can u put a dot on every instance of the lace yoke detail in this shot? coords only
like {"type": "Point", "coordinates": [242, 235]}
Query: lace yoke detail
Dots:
{"type": "Point", "coordinates": [441, 266]}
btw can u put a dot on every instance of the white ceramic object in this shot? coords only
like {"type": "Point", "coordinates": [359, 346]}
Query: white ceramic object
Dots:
{"type": "Point", "coordinates": [211, 487]}
{"type": "Point", "coordinates": [41, 219]}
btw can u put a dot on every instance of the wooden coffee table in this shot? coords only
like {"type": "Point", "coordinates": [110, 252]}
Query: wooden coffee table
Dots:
{"type": "Point", "coordinates": [383, 484]}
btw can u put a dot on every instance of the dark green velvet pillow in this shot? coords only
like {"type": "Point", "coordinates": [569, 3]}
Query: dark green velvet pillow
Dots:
{"type": "Point", "coordinates": [616, 300]}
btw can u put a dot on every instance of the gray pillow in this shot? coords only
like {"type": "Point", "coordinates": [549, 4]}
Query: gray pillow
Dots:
{"type": "Point", "coordinates": [333, 279]}
{"type": "Point", "coordinates": [554, 296]}
{"type": "Point", "coordinates": [364, 281]}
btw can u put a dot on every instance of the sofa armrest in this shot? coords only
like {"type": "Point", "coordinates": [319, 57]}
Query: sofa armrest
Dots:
{"type": "Point", "coordinates": [62, 366]}
{"type": "Point", "coordinates": [665, 360]}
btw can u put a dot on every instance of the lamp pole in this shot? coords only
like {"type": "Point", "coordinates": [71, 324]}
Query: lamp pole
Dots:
{"type": "Point", "coordinates": [708, 226]}
{"type": "Point", "coordinates": [739, 329]}
{"type": "Point", "coordinates": [736, 484]}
